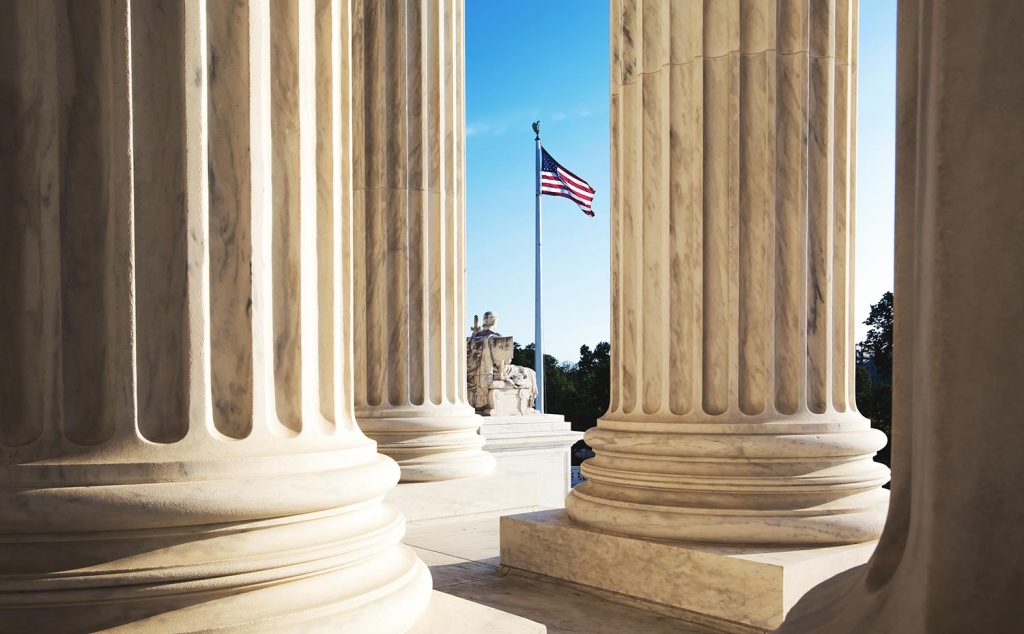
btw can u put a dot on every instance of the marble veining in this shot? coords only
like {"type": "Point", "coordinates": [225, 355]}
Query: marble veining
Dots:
{"type": "Point", "coordinates": [176, 416]}
{"type": "Point", "coordinates": [753, 275]}
{"type": "Point", "coordinates": [409, 200]}
{"type": "Point", "coordinates": [732, 262]}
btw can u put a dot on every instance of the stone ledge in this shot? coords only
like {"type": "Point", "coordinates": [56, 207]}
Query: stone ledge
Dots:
{"type": "Point", "coordinates": [526, 423]}
{"type": "Point", "coordinates": [728, 588]}
{"type": "Point", "coordinates": [447, 613]}
{"type": "Point", "coordinates": [547, 442]}
{"type": "Point", "coordinates": [511, 433]}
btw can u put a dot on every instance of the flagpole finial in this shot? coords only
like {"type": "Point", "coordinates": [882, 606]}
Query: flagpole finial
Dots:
{"type": "Point", "coordinates": [536, 129]}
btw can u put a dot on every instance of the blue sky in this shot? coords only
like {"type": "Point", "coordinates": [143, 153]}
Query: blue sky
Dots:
{"type": "Point", "coordinates": [529, 60]}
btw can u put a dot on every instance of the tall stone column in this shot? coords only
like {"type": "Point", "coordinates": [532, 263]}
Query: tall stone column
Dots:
{"type": "Point", "coordinates": [949, 559]}
{"type": "Point", "coordinates": [177, 443]}
{"type": "Point", "coordinates": [732, 415]}
{"type": "Point", "coordinates": [732, 437]}
{"type": "Point", "coordinates": [410, 290]}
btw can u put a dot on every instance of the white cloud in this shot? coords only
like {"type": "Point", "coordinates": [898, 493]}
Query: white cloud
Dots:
{"type": "Point", "coordinates": [520, 121]}
{"type": "Point", "coordinates": [481, 128]}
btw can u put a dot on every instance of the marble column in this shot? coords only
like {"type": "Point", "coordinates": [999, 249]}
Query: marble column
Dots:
{"type": "Point", "coordinates": [409, 223]}
{"type": "Point", "coordinates": [178, 449]}
{"type": "Point", "coordinates": [732, 415]}
{"type": "Point", "coordinates": [949, 559]}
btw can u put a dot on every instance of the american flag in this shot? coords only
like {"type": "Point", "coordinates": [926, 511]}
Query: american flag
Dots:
{"type": "Point", "coordinates": [555, 180]}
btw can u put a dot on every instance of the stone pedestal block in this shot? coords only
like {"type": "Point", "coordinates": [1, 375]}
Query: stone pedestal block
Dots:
{"type": "Point", "coordinates": [727, 588]}
{"type": "Point", "coordinates": [504, 399]}
{"type": "Point", "coordinates": [540, 444]}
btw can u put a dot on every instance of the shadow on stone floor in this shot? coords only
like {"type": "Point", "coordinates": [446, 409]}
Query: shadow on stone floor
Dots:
{"type": "Point", "coordinates": [561, 608]}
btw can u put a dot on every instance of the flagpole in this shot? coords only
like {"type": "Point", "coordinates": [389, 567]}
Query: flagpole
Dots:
{"type": "Point", "coordinates": [538, 353]}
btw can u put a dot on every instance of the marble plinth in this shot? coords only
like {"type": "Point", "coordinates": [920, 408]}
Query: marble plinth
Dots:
{"type": "Point", "coordinates": [739, 589]}
{"type": "Point", "coordinates": [429, 443]}
{"type": "Point", "coordinates": [536, 430]}
{"type": "Point", "coordinates": [539, 444]}
{"type": "Point", "coordinates": [505, 399]}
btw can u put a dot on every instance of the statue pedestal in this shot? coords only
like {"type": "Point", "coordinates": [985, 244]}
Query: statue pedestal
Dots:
{"type": "Point", "coordinates": [537, 443]}
{"type": "Point", "coordinates": [505, 399]}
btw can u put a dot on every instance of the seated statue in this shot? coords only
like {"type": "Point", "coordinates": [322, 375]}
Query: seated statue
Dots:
{"type": "Point", "coordinates": [496, 387]}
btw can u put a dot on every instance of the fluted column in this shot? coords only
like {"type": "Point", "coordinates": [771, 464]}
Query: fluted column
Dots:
{"type": "Point", "coordinates": [732, 415]}
{"type": "Point", "coordinates": [410, 290]}
{"type": "Point", "coordinates": [178, 448]}
{"type": "Point", "coordinates": [957, 506]}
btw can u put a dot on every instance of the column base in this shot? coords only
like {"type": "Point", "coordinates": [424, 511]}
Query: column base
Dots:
{"type": "Point", "coordinates": [436, 467]}
{"type": "Point", "coordinates": [429, 443]}
{"type": "Point", "coordinates": [532, 473]}
{"type": "Point", "coordinates": [269, 544]}
{"type": "Point", "coordinates": [729, 588]}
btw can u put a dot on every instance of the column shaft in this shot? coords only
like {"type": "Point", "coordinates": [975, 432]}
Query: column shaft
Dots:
{"type": "Point", "coordinates": [177, 442]}
{"type": "Point", "coordinates": [959, 356]}
{"type": "Point", "coordinates": [410, 234]}
{"type": "Point", "coordinates": [732, 415]}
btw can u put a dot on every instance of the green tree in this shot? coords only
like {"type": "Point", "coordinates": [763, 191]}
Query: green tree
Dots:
{"type": "Point", "coordinates": [874, 400]}
{"type": "Point", "coordinates": [875, 352]}
{"type": "Point", "coordinates": [579, 391]}
{"type": "Point", "coordinates": [874, 370]}
{"type": "Point", "coordinates": [592, 376]}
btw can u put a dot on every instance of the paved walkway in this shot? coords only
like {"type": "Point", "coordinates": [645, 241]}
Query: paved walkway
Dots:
{"type": "Point", "coordinates": [464, 561]}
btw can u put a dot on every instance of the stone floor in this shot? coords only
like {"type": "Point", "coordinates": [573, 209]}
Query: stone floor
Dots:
{"type": "Point", "coordinates": [464, 561]}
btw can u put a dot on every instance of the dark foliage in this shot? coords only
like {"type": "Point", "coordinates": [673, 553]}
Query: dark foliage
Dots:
{"type": "Point", "coordinates": [874, 371]}
{"type": "Point", "coordinates": [876, 349]}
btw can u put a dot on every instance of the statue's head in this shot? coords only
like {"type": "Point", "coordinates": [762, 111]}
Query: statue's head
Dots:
{"type": "Point", "coordinates": [489, 320]}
